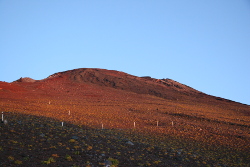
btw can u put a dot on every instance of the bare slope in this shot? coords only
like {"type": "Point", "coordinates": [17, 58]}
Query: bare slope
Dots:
{"type": "Point", "coordinates": [165, 88]}
{"type": "Point", "coordinates": [117, 100]}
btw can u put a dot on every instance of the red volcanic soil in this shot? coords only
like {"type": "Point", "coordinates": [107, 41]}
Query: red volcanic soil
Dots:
{"type": "Point", "coordinates": [96, 98]}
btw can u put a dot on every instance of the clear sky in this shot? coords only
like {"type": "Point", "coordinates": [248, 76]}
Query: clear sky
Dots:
{"type": "Point", "coordinates": [203, 44]}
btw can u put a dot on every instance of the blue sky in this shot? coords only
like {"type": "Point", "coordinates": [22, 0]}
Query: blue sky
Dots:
{"type": "Point", "coordinates": [203, 44]}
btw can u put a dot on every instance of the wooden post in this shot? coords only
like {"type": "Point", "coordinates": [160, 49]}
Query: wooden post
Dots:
{"type": "Point", "coordinates": [172, 123]}
{"type": "Point", "coordinates": [69, 112]}
{"type": "Point", "coordinates": [102, 125]}
{"type": "Point", "coordinates": [157, 123]}
{"type": "Point", "coordinates": [134, 124]}
{"type": "Point", "coordinates": [2, 116]}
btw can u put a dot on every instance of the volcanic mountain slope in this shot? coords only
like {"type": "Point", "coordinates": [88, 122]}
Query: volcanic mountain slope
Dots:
{"type": "Point", "coordinates": [165, 88]}
{"type": "Point", "coordinates": [100, 85]}
{"type": "Point", "coordinates": [118, 100]}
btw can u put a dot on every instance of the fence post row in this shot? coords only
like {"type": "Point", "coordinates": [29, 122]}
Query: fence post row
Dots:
{"type": "Point", "coordinates": [157, 122]}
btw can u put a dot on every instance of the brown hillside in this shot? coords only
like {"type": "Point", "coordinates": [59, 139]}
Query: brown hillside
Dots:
{"type": "Point", "coordinates": [165, 88]}
{"type": "Point", "coordinates": [113, 99]}
{"type": "Point", "coordinates": [169, 115]}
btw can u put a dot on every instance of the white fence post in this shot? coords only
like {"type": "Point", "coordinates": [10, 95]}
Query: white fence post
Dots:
{"type": "Point", "coordinates": [62, 123]}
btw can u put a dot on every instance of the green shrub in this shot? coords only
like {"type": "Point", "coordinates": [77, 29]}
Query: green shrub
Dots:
{"type": "Point", "coordinates": [115, 162]}
{"type": "Point", "coordinates": [50, 160]}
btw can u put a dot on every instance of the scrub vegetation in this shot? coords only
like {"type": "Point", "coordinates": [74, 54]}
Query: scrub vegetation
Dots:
{"type": "Point", "coordinates": [93, 117]}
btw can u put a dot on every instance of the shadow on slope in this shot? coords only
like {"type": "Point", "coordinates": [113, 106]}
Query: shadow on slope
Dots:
{"type": "Point", "coordinates": [35, 141]}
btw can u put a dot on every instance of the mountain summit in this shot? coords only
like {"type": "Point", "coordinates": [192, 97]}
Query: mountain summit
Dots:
{"type": "Point", "coordinates": [165, 88]}
{"type": "Point", "coordinates": [162, 88]}
{"type": "Point", "coordinates": [74, 81]}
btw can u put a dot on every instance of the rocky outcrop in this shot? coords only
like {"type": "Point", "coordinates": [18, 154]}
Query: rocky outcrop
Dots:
{"type": "Point", "coordinates": [25, 79]}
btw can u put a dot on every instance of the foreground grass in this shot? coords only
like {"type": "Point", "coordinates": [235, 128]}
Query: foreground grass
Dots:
{"type": "Point", "coordinates": [39, 141]}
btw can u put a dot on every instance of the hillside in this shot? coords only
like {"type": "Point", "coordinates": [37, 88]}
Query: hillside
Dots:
{"type": "Point", "coordinates": [99, 98]}
{"type": "Point", "coordinates": [165, 88]}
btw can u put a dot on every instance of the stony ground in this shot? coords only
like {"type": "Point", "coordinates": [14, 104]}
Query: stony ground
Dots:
{"type": "Point", "coordinates": [38, 141]}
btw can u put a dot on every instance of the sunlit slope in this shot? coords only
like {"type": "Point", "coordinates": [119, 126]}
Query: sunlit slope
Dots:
{"type": "Point", "coordinates": [111, 99]}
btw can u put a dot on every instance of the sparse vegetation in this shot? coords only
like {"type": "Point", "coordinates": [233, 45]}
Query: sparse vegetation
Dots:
{"type": "Point", "coordinates": [115, 162]}
{"type": "Point", "coordinates": [148, 150]}
{"type": "Point", "coordinates": [195, 130]}
{"type": "Point", "coordinates": [49, 161]}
